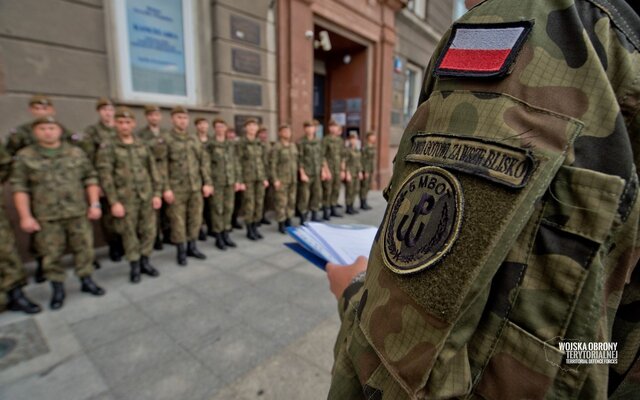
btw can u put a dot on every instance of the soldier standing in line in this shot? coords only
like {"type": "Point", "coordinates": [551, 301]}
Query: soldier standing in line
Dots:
{"type": "Point", "coordinates": [354, 175]}
{"type": "Point", "coordinates": [263, 137]}
{"type": "Point", "coordinates": [188, 181]}
{"type": "Point", "coordinates": [52, 182]}
{"type": "Point", "coordinates": [12, 274]}
{"type": "Point", "coordinates": [202, 132]}
{"type": "Point", "coordinates": [153, 135]}
{"type": "Point", "coordinates": [283, 166]}
{"type": "Point", "coordinates": [22, 136]}
{"type": "Point", "coordinates": [254, 176]}
{"type": "Point", "coordinates": [310, 170]}
{"type": "Point", "coordinates": [232, 137]}
{"type": "Point", "coordinates": [368, 168]}
{"type": "Point", "coordinates": [95, 135]}
{"type": "Point", "coordinates": [132, 187]}
{"type": "Point", "coordinates": [333, 152]}
{"type": "Point", "coordinates": [226, 173]}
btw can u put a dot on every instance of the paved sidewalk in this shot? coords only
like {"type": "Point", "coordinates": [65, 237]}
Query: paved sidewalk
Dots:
{"type": "Point", "coordinates": [254, 322]}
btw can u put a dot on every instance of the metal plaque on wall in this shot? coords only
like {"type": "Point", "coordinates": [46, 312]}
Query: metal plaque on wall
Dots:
{"type": "Point", "coordinates": [245, 61]}
{"type": "Point", "coordinates": [247, 94]}
{"type": "Point", "coordinates": [245, 30]}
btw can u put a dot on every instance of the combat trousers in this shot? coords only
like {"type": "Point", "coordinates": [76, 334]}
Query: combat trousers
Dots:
{"type": "Point", "coordinates": [185, 215]}
{"type": "Point", "coordinates": [138, 228]}
{"type": "Point", "coordinates": [331, 190]}
{"type": "Point", "coordinates": [310, 194]}
{"type": "Point", "coordinates": [12, 273]}
{"type": "Point", "coordinates": [108, 223]}
{"type": "Point", "coordinates": [352, 189]}
{"type": "Point", "coordinates": [222, 207]}
{"type": "Point", "coordinates": [52, 241]}
{"type": "Point", "coordinates": [365, 186]}
{"type": "Point", "coordinates": [253, 201]}
{"type": "Point", "coordinates": [285, 201]}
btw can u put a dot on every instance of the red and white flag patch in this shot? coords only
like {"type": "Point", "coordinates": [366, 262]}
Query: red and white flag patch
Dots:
{"type": "Point", "coordinates": [482, 50]}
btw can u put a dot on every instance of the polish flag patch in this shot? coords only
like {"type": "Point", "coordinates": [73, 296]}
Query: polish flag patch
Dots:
{"type": "Point", "coordinates": [482, 50]}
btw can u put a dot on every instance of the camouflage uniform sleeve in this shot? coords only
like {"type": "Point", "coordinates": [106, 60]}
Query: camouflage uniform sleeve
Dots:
{"type": "Point", "coordinates": [273, 164]}
{"type": "Point", "coordinates": [237, 164]}
{"type": "Point", "coordinates": [90, 175]}
{"type": "Point", "coordinates": [19, 177]}
{"type": "Point", "coordinates": [156, 179]}
{"type": "Point", "coordinates": [104, 166]}
{"type": "Point", "coordinates": [5, 164]}
{"type": "Point", "coordinates": [87, 142]}
{"type": "Point", "coordinates": [13, 143]}
{"type": "Point", "coordinates": [205, 166]}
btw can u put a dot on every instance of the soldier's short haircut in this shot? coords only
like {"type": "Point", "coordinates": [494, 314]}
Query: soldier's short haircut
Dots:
{"type": "Point", "coordinates": [198, 120]}
{"type": "Point", "coordinates": [250, 121]}
{"type": "Point", "coordinates": [283, 127]}
{"type": "Point", "coordinates": [370, 133]}
{"type": "Point", "coordinates": [333, 122]}
{"type": "Point", "coordinates": [262, 129]}
{"type": "Point", "coordinates": [218, 121]}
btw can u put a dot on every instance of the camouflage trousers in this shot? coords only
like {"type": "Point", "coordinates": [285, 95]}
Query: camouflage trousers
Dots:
{"type": "Point", "coordinates": [137, 228]}
{"type": "Point", "coordinates": [52, 241]}
{"type": "Point", "coordinates": [310, 194]}
{"type": "Point", "coordinates": [12, 273]}
{"type": "Point", "coordinates": [185, 215]}
{"type": "Point", "coordinates": [331, 190]}
{"type": "Point", "coordinates": [351, 189]}
{"type": "Point", "coordinates": [221, 207]}
{"type": "Point", "coordinates": [107, 222]}
{"type": "Point", "coordinates": [285, 201]}
{"type": "Point", "coordinates": [365, 186]}
{"type": "Point", "coordinates": [253, 201]}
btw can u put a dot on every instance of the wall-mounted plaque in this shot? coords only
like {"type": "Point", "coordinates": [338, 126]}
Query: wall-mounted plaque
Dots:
{"type": "Point", "coordinates": [238, 122]}
{"type": "Point", "coordinates": [245, 61]}
{"type": "Point", "coordinates": [247, 94]}
{"type": "Point", "coordinates": [245, 30]}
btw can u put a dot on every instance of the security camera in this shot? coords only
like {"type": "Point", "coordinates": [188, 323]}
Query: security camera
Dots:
{"type": "Point", "coordinates": [308, 34]}
{"type": "Point", "coordinates": [324, 41]}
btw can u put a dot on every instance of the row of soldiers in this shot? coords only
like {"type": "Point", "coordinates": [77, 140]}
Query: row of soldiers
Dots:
{"type": "Point", "coordinates": [152, 185]}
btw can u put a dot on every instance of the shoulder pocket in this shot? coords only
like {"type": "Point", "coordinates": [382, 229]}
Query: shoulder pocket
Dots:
{"type": "Point", "coordinates": [502, 154]}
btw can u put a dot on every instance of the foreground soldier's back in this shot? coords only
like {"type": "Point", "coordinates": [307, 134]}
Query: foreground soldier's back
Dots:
{"type": "Point", "coordinates": [512, 224]}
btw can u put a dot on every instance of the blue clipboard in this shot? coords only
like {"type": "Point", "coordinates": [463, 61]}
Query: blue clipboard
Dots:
{"type": "Point", "coordinates": [311, 257]}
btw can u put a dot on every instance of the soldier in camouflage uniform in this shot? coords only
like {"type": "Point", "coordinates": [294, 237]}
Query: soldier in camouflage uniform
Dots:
{"type": "Point", "coordinates": [22, 136]}
{"type": "Point", "coordinates": [202, 133]}
{"type": "Point", "coordinates": [12, 274]}
{"type": "Point", "coordinates": [52, 182]}
{"type": "Point", "coordinates": [310, 169]}
{"type": "Point", "coordinates": [254, 176]}
{"type": "Point", "coordinates": [333, 152]}
{"type": "Point", "coordinates": [513, 217]}
{"type": "Point", "coordinates": [188, 181]}
{"type": "Point", "coordinates": [354, 175]}
{"type": "Point", "coordinates": [132, 187]}
{"type": "Point", "coordinates": [263, 137]}
{"type": "Point", "coordinates": [283, 167]}
{"type": "Point", "coordinates": [94, 136]}
{"type": "Point", "coordinates": [153, 135]}
{"type": "Point", "coordinates": [232, 138]}
{"type": "Point", "coordinates": [368, 168]}
{"type": "Point", "coordinates": [225, 172]}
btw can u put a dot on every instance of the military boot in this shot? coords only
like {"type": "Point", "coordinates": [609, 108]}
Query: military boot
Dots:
{"type": "Point", "coordinates": [264, 221]}
{"type": "Point", "coordinates": [220, 241]}
{"type": "Point", "coordinates": [134, 274]}
{"type": "Point", "coordinates": [256, 232]}
{"type": "Point", "coordinates": [326, 214]}
{"type": "Point", "coordinates": [38, 275]}
{"type": "Point", "coordinates": [303, 218]}
{"type": "Point", "coordinates": [281, 228]}
{"type": "Point", "coordinates": [17, 301]}
{"type": "Point", "coordinates": [96, 264]}
{"type": "Point", "coordinates": [364, 205]}
{"type": "Point", "coordinates": [314, 217]}
{"type": "Point", "coordinates": [351, 210]}
{"type": "Point", "coordinates": [287, 222]}
{"type": "Point", "coordinates": [89, 286]}
{"type": "Point", "coordinates": [227, 239]}
{"type": "Point", "coordinates": [251, 235]}
{"type": "Point", "coordinates": [114, 252]}
{"type": "Point", "coordinates": [235, 224]}
{"type": "Point", "coordinates": [192, 251]}
{"type": "Point", "coordinates": [182, 254]}
{"type": "Point", "coordinates": [335, 213]}
{"type": "Point", "coordinates": [202, 235]}
{"type": "Point", "coordinates": [146, 267]}
{"type": "Point", "coordinates": [57, 297]}
{"type": "Point", "coordinates": [157, 244]}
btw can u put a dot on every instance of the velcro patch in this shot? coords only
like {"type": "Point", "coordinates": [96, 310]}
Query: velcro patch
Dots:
{"type": "Point", "coordinates": [482, 50]}
{"type": "Point", "coordinates": [497, 162]}
{"type": "Point", "coordinates": [424, 220]}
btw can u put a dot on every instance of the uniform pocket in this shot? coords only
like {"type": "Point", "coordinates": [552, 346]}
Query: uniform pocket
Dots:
{"type": "Point", "coordinates": [522, 367]}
